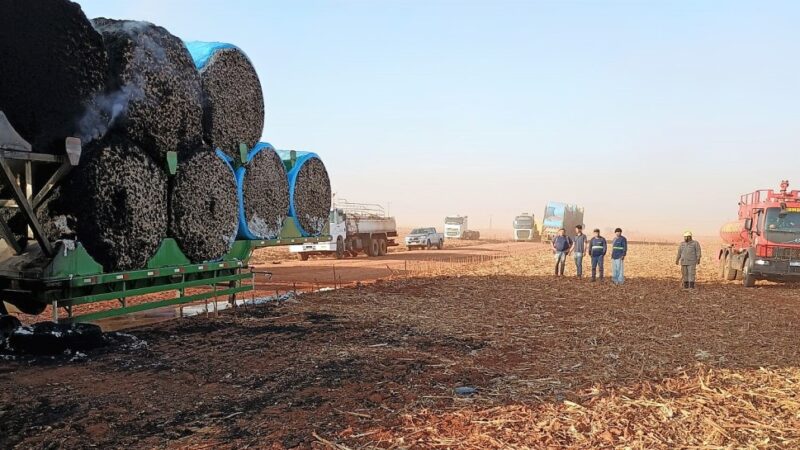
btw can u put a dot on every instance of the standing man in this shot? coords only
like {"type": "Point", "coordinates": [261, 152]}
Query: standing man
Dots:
{"type": "Point", "coordinates": [579, 248]}
{"type": "Point", "coordinates": [689, 255]}
{"type": "Point", "coordinates": [618, 251]}
{"type": "Point", "coordinates": [561, 246]}
{"type": "Point", "coordinates": [597, 250]}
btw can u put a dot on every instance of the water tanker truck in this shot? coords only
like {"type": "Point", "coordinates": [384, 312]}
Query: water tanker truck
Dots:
{"type": "Point", "coordinates": [764, 242]}
{"type": "Point", "coordinates": [354, 228]}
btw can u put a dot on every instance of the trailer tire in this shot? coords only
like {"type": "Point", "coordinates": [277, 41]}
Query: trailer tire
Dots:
{"type": "Point", "coordinates": [383, 247]}
{"type": "Point", "coordinates": [303, 256]}
{"type": "Point", "coordinates": [748, 279]}
{"type": "Point", "coordinates": [730, 272]}
{"type": "Point", "coordinates": [340, 253]}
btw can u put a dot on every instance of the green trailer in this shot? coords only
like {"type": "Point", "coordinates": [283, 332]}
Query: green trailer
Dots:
{"type": "Point", "coordinates": [36, 273]}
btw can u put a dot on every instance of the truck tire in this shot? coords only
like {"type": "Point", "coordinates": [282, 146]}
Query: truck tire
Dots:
{"type": "Point", "coordinates": [730, 272]}
{"type": "Point", "coordinates": [303, 256]}
{"type": "Point", "coordinates": [748, 279]}
{"type": "Point", "coordinates": [339, 248]}
{"type": "Point", "coordinates": [440, 245]}
{"type": "Point", "coordinates": [383, 247]}
{"type": "Point", "coordinates": [374, 248]}
{"type": "Point", "coordinates": [428, 245]}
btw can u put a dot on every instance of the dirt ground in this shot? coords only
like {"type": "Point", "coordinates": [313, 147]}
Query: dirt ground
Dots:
{"type": "Point", "coordinates": [554, 363]}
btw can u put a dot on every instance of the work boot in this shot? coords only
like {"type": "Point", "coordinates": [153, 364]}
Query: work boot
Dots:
{"type": "Point", "coordinates": [593, 279]}
{"type": "Point", "coordinates": [691, 285]}
{"type": "Point", "coordinates": [686, 285]}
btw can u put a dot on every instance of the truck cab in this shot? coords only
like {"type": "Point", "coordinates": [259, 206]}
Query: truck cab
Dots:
{"type": "Point", "coordinates": [525, 228]}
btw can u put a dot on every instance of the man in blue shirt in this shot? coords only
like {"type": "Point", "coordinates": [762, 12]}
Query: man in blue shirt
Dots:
{"type": "Point", "coordinates": [597, 250]}
{"type": "Point", "coordinates": [618, 251]}
{"type": "Point", "coordinates": [561, 246]}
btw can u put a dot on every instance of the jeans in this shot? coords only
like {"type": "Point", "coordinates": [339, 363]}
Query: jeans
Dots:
{"type": "Point", "coordinates": [579, 264]}
{"type": "Point", "coordinates": [561, 261]}
{"type": "Point", "coordinates": [618, 271]}
{"type": "Point", "coordinates": [597, 262]}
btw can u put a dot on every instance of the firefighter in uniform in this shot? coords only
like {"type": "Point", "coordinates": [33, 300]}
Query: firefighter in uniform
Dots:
{"type": "Point", "coordinates": [689, 255]}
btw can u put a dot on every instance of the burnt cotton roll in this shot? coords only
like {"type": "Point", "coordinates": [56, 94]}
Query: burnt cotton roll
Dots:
{"type": "Point", "coordinates": [203, 207]}
{"type": "Point", "coordinates": [233, 102]}
{"type": "Point", "coordinates": [114, 203]}
{"type": "Point", "coordinates": [154, 95]}
{"type": "Point", "coordinates": [52, 63]}
{"type": "Point", "coordinates": [265, 194]}
{"type": "Point", "coordinates": [312, 196]}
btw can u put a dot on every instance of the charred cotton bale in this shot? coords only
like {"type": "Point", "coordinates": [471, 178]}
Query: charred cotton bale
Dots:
{"type": "Point", "coordinates": [52, 62]}
{"type": "Point", "coordinates": [309, 191]}
{"type": "Point", "coordinates": [154, 95]}
{"type": "Point", "coordinates": [264, 194]}
{"type": "Point", "coordinates": [114, 203]}
{"type": "Point", "coordinates": [203, 208]}
{"type": "Point", "coordinates": [233, 103]}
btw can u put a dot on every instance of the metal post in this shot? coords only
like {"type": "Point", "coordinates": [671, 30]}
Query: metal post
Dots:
{"type": "Point", "coordinates": [55, 311]}
{"type": "Point", "coordinates": [216, 311]}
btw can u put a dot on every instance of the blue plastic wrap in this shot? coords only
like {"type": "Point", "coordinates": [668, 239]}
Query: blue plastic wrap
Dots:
{"type": "Point", "coordinates": [294, 165]}
{"type": "Point", "coordinates": [203, 51]}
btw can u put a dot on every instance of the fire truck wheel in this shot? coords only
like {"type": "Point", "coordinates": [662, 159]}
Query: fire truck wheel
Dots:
{"type": "Point", "coordinates": [339, 248]}
{"type": "Point", "coordinates": [730, 272]}
{"type": "Point", "coordinates": [748, 279]}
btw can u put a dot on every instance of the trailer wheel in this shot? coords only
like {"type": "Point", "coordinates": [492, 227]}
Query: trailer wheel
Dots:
{"type": "Point", "coordinates": [383, 247]}
{"type": "Point", "coordinates": [339, 248]}
{"type": "Point", "coordinates": [748, 279]}
{"type": "Point", "coordinates": [303, 256]}
{"type": "Point", "coordinates": [730, 272]}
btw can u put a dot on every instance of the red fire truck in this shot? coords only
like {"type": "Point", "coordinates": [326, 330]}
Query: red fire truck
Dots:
{"type": "Point", "coordinates": [764, 244]}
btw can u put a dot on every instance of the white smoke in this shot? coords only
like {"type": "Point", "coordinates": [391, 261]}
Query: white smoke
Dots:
{"type": "Point", "coordinates": [105, 109]}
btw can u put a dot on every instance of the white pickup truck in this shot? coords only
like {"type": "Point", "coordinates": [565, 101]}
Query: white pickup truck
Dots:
{"type": "Point", "coordinates": [424, 238]}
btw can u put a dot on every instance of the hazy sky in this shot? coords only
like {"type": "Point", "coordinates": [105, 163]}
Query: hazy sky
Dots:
{"type": "Point", "coordinates": [654, 116]}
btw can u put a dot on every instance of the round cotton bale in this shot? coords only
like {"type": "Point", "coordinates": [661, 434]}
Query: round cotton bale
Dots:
{"type": "Point", "coordinates": [309, 191]}
{"type": "Point", "coordinates": [114, 203]}
{"type": "Point", "coordinates": [154, 93]}
{"type": "Point", "coordinates": [233, 103]}
{"type": "Point", "coordinates": [203, 207]}
{"type": "Point", "coordinates": [52, 62]}
{"type": "Point", "coordinates": [263, 194]}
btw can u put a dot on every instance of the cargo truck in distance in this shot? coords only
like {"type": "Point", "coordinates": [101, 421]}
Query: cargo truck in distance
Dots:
{"type": "Point", "coordinates": [764, 243]}
{"type": "Point", "coordinates": [525, 228]}
{"type": "Point", "coordinates": [424, 238]}
{"type": "Point", "coordinates": [456, 227]}
{"type": "Point", "coordinates": [354, 228]}
{"type": "Point", "coordinates": [560, 215]}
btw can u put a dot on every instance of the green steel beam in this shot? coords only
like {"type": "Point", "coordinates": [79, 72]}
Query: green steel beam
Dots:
{"type": "Point", "coordinates": [113, 295]}
{"type": "Point", "coordinates": [159, 304]}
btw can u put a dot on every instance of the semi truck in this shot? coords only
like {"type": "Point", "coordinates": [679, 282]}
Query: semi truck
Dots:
{"type": "Point", "coordinates": [354, 228]}
{"type": "Point", "coordinates": [559, 215]}
{"type": "Point", "coordinates": [525, 228]}
{"type": "Point", "coordinates": [764, 242]}
{"type": "Point", "coordinates": [457, 227]}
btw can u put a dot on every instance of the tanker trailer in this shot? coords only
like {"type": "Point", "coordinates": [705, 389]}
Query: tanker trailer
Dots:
{"type": "Point", "coordinates": [764, 242]}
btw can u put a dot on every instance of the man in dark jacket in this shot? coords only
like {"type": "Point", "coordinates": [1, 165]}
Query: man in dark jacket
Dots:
{"type": "Point", "coordinates": [561, 246]}
{"type": "Point", "coordinates": [597, 250]}
{"type": "Point", "coordinates": [579, 245]}
{"type": "Point", "coordinates": [619, 249]}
